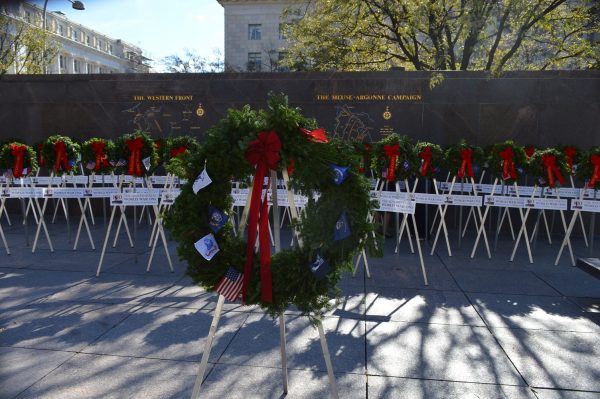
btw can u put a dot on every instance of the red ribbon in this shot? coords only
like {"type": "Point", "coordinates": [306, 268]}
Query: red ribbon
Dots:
{"type": "Point", "coordinates": [317, 135]}
{"type": "Point", "coordinates": [18, 151]}
{"type": "Point", "coordinates": [425, 155]}
{"type": "Point", "coordinates": [508, 164]}
{"type": "Point", "coordinates": [264, 154]}
{"type": "Point", "coordinates": [60, 150]}
{"type": "Point", "coordinates": [466, 156]}
{"type": "Point", "coordinates": [529, 151]}
{"type": "Point", "coordinates": [41, 160]}
{"type": "Point", "coordinates": [291, 166]}
{"type": "Point", "coordinates": [595, 160]}
{"type": "Point", "coordinates": [361, 167]}
{"type": "Point", "coordinates": [134, 166]}
{"type": "Point", "coordinates": [549, 161]}
{"type": "Point", "coordinates": [570, 153]}
{"type": "Point", "coordinates": [178, 151]}
{"type": "Point", "coordinates": [98, 149]}
{"type": "Point", "coordinates": [392, 152]}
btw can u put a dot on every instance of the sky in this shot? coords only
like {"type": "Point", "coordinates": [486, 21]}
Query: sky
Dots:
{"type": "Point", "coordinates": [159, 27]}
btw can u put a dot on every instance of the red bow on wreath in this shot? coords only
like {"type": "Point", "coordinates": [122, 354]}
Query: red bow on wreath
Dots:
{"type": "Point", "coordinates": [595, 160]}
{"type": "Point", "coordinates": [425, 155]}
{"type": "Point", "coordinates": [134, 166]}
{"type": "Point", "coordinates": [263, 153]}
{"type": "Point", "coordinates": [98, 150]}
{"type": "Point", "coordinates": [529, 151]}
{"type": "Point", "coordinates": [552, 170]}
{"type": "Point", "coordinates": [18, 151]}
{"type": "Point", "coordinates": [466, 165]}
{"type": "Point", "coordinates": [41, 160]}
{"type": "Point", "coordinates": [570, 153]}
{"type": "Point", "coordinates": [508, 164]}
{"type": "Point", "coordinates": [178, 151]}
{"type": "Point", "coordinates": [317, 135]}
{"type": "Point", "coordinates": [60, 151]}
{"type": "Point", "coordinates": [392, 152]}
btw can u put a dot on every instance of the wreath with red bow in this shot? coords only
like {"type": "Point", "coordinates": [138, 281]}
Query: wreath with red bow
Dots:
{"type": "Point", "coordinates": [97, 154]}
{"type": "Point", "coordinates": [589, 168]}
{"type": "Point", "coordinates": [137, 153]}
{"type": "Point", "coordinates": [507, 161]}
{"type": "Point", "coordinates": [463, 160]}
{"type": "Point", "coordinates": [573, 156]}
{"type": "Point", "coordinates": [176, 151]}
{"type": "Point", "coordinates": [19, 158]}
{"type": "Point", "coordinates": [394, 158]}
{"type": "Point", "coordinates": [61, 154]}
{"type": "Point", "coordinates": [250, 142]}
{"type": "Point", "coordinates": [549, 166]}
{"type": "Point", "coordinates": [432, 157]}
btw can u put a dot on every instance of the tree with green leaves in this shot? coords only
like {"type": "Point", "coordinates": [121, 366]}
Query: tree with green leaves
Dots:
{"type": "Point", "coordinates": [24, 48]}
{"type": "Point", "coordinates": [490, 35]}
{"type": "Point", "coordinates": [191, 62]}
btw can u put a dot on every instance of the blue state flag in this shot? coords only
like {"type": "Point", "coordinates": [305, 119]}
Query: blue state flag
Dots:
{"type": "Point", "coordinates": [319, 267]}
{"type": "Point", "coordinates": [340, 173]}
{"type": "Point", "coordinates": [342, 227]}
{"type": "Point", "coordinates": [216, 219]}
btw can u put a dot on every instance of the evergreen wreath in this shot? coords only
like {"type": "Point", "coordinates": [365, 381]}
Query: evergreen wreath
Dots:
{"type": "Point", "coordinates": [96, 154]}
{"type": "Point", "coordinates": [17, 157]}
{"type": "Point", "coordinates": [588, 169]}
{"type": "Point", "coordinates": [462, 159]}
{"type": "Point", "coordinates": [549, 166]}
{"type": "Point", "coordinates": [363, 150]}
{"type": "Point", "coordinates": [224, 157]}
{"type": "Point", "coordinates": [134, 149]}
{"type": "Point", "coordinates": [61, 154]}
{"type": "Point", "coordinates": [507, 161]}
{"type": "Point", "coordinates": [394, 158]}
{"type": "Point", "coordinates": [176, 153]}
{"type": "Point", "coordinates": [432, 157]}
{"type": "Point", "coordinates": [573, 156]}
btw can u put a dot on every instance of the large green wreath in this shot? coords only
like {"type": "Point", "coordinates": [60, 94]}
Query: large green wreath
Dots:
{"type": "Point", "coordinates": [573, 156]}
{"type": "Point", "coordinates": [223, 156]}
{"type": "Point", "coordinates": [453, 159]}
{"type": "Point", "coordinates": [134, 162]}
{"type": "Point", "coordinates": [588, 169]}
{"type": "Point", "coordinates": [432, 157]}
{"type": "Point", "coordinates": [507, 161]}
{"type": "Point", "coordinates": [17, 157]}
{"type": "Point", "coordinates": [407, 161]}
{"type": "Point", "coordinates": [51, 150]}
{"type": "Point", "coordinates": [96, 154]}
{"type": "Point", "coordinates": [539, 169]}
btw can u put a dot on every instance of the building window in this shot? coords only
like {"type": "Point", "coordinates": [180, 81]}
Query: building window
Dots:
{"type": "Point", "coordinates": [74, 34]}
{"type": "Point", "coordinates": [27, 16]}
{"type": "Point", "coordinates": [88, 68]}
{"type": "Point", "coordinates": [61, 30]}
{"type": "Point", "coordinates": [99, 44]}
{"type": "Point", "coordinates": [88, 40]}
{"type": "Point", "coordinates": [62, 61]}
{"type": "Point", "coordinates": [254, 62]}
{"type": "Point", "coordinates": [254, 31]}
{"type": "Point", "coordinates": [76, 66]}
{"type": "Point", "coordinates": [110, 49]}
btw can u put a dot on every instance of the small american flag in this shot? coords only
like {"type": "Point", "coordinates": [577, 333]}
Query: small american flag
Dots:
{"type": "Point", "coordinates": [230, 285]}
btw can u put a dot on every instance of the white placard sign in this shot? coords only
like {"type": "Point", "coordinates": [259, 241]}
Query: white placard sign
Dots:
{"type": "Point", "coordinates": [300, 201]}
{"type": "Point", "coordinates": [430, 199]}
{"type": "Point", "coordinates": [45, 180]}
{"type": "Point", "coordinates": [2, 179]}
{"type": "Point", "coordinates": [162, 180]}
{"type": "Point", "coordinates": [106, 179]}
{"type": "Point", "coordinates": [551, 204]}
{"type": "Point", "coordinates": [585, 205]}
{"type": "Point", "coordinates": [523, 191]}
{"type": "Point", "coordinates": [25, 192]}
{"type": "Point", "coordinates": [133, 199]}
{"type": "Point", "coordinates": [76, 179]}
{"type": "Point", "coordinates": [63, 192]}
{"type": "Point", "coordinates": [506, 202]}
{"type": "Point", "coordinates": [168, 197]}
{"type": "Point", "coordinates": [563, 192]}
{"type": "Point", "coordinates": [101, 192]}
{"type": "Point", "coordinates": [239, 196]}
{"type": "Point", "coordinates": [142, 190]}
{"type": "Point", "coordinates": [397, 206]}
{"type": "Point", "coordinates": [462, 200]}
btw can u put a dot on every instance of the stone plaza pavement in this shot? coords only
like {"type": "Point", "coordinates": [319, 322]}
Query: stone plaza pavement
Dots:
{"type": "Point", "coordinates": [481, 329]}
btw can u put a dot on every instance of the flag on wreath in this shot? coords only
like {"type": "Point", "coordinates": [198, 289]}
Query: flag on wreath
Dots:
{"type": "Point", "coordinates": [207, 246]}
{"type": "Point", "coordinates": [340, 173]}
{"type": "Point", "coordinates": [230, 285]}
{"type": "Point", "coordinates": [201, 181]}
{"type": "Point", "coordinates": [342, 227]}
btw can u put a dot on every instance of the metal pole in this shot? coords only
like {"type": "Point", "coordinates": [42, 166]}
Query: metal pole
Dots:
{"type": "Point", "coordinates": [592, 229]}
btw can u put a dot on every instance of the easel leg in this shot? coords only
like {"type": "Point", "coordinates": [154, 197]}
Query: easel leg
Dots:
{"type": "Point", "coordinates": [207, 348]}
{"type": "Point", "coordinates": [284, 369]}
{"type": "Point", "coordinates": [332, 384]}
{"type": "Point", "coordinates": [112, 217]}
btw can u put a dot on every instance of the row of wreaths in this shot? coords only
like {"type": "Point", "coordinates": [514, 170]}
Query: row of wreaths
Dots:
{"type": "Point", "coordinates": [393, 158]}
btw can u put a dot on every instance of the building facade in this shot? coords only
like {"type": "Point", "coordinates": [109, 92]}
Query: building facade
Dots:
{"type": "Point", "coordinates": [255, 32]}
{"type": "Point", "coordinates": [80, 49]}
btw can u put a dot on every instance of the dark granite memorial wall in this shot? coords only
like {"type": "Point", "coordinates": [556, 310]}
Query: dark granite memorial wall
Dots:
{"type": "Point", "coordinates": [541, 108]}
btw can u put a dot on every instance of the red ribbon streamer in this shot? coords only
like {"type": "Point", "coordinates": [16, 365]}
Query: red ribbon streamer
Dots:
{"type": "Point", "coordinates": [392, 152]}
{"type": "Point", "coordinates": [508, 164]}
{"type": "Point", "coordinates": [595, 160]}
{"type": "Point", "coordinates": [425, 155]}
{"type": "Point", "coordinates": [317, 135]}
{"type": "Point", "coordinates": [18, 151]}
{"type": "Point", "coordinates": [291, 166]}
{"type": "Point", "coordinates": [41, 160]}
{"type": "Point", "coordinates": [570, 153]}
{"type": "Point", "coordinates": [263, 153]}
{"type": "Point", "coordinates": [134, 166]}
{"type": "Point", "coordinates": [60, 150]}
{"type": "Point", "coordinates": [529, 151]}
{"type": "Point", "coordinates": [552, 170]}
{"type": "Point", "coordinates": [178, 151]}
{"type": "Point", "coordinates": [466, 156]}
{"type": "Point", "coordinates": [361, 167]}
{"type": "Point", "coordinates": [98, 149]}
